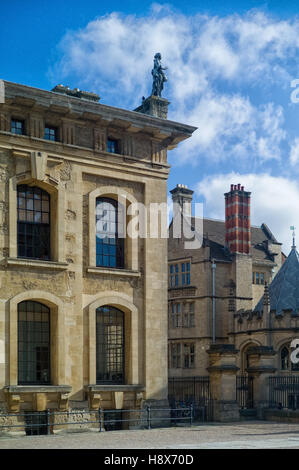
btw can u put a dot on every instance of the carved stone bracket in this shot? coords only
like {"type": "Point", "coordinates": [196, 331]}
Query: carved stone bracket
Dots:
{"type": "Point", "coordinates": [13, 402]}
{"type": "Point", "coordinates": [139, 399]}
{"type": "Point", "coordinates": [64, 401]}
{"type": "Point", "coordinates": [94, 400]}
{"type": "Point", "coordinates": [38, 165]}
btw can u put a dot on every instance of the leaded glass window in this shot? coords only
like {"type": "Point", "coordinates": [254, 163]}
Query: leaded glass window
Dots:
{"type": "Point", "coordinates": [33, 223]}
{"type": "Point", "coordinates": [110, 345]}
{"type": "Point", "coordinates": [33, 343]}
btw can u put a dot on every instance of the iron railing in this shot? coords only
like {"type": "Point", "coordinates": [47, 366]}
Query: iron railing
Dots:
{"type": "Point", "coordinates": [284, 392]}
{"type": "Point", "coordinates": [36, 423]}
{"type": "Point", "coordinates": [195, 391]}
{"type": "Point", "coordinates": [244, 391]}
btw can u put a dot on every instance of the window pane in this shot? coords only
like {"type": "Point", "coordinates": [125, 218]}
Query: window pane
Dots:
{"type": "Point", "coordinates": [33, 343]}
{"type": "Point", "coordinates": [109, 345]}
{"type": "Point", "coordinates": [50, 133]}
{"type": "Point", "coordinates": [109, 248]}
{"type": "Point", "coordinates": [17, 127]}
{"type": "Point", "coordinates": [112, 146]}
{"type": "Point", "coordinates": [33, 223]}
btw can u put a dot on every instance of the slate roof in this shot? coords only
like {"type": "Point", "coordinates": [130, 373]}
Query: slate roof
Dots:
{"type": "Point", "coordinates": [214, 235]}
{"type": "Point", "coordinates": [283, 290]}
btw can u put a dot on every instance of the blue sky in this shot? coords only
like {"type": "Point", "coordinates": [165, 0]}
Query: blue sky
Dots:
{"type": "Point", "coordinates": [230, 68]}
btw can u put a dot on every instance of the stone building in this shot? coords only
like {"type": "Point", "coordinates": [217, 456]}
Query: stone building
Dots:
{"type": "Point", "coordinates": [83, 320]}
{"type": "Point", "coordinates": [224, 322]}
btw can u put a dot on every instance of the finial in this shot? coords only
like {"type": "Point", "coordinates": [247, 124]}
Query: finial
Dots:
{"type": "Point", "coordinates": [293, 234]}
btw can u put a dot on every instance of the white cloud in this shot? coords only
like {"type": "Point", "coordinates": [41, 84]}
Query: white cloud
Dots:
{"type": "Point", "coordinates": [274, 201]}
{"type": "Point", "coordinates": [294, 152]}
{"type": "Point", "coordinates": [230, 126]}
{"type": "Point", "coordinates": [113, 56]}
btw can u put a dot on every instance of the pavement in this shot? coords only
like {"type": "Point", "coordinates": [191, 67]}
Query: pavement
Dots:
{"type": "Point", "coordinates": [241, 435]}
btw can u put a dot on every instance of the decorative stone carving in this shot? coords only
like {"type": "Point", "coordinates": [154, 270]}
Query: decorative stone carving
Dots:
{"type": "Point", "coordinates": [64, 401]}
{"type": "Point", "coordinates": [3, 174]}
{"type": "Point", "coordinates": [139, 399]}
{"type": "Point", "coordinates": [29, 285]}
{"type": "Point", "coordinates": [70, 215]}
{"type": "Point", "coordinates": [94, 400]}
{"type": "Point", "coordinates": [66, 171]}
{"type": "Point", "coordinates": [13, 402]}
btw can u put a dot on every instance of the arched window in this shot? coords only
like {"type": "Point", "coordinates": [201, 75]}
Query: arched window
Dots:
{"type": "Point", "coordinates": [33, 223]}
{"type": "Point", "coordinates": [33, 343]}
{"type": "Point", "coordinates": [109, 226]}
{"type": "Point", "coordinates": [110, 345]}
{"type": "Point", "coordinates": [284, 358]}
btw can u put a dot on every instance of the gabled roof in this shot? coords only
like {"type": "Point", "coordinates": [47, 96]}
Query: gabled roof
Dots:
{"type": "Point", "coordinates": [284, 289]}
{"type": "Point", "coordinates": [214, 235]}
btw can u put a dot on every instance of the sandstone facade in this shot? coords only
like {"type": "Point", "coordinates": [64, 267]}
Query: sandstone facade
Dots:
{"type": "Point", "coordinates": [75, 169]}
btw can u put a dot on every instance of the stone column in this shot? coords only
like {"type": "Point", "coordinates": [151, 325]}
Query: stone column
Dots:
{"type": "Point", "coordinates": [261, 366]}
{"type": "Point", "coordinates": [223, 372]}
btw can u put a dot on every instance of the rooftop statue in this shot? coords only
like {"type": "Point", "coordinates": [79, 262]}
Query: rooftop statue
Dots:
{"type": "Point", "coordinates": [159, 76]}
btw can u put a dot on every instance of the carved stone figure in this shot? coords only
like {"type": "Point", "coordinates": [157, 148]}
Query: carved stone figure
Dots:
{"type": "Point", "coordinates": [159, 76]}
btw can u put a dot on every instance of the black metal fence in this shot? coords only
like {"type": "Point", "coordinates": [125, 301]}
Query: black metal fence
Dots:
{"type": "Point", "coordinates": [195, 391]}
{"type": "Point", "coordinates": [244, 391]}
{"type": "Point", "coordinates": [284, 392]}
{"type": "Point", "coordinates": [49, 421]}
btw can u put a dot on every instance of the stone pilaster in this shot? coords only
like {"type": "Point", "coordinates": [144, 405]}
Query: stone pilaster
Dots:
{"type": "Point", "coordinates": [261, 366]}
{"type": "Point", "coordinates": [223, 372]}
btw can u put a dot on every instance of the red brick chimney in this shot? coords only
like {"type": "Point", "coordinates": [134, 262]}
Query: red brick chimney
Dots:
{"type": "Point", "coordinates": [237, 219]}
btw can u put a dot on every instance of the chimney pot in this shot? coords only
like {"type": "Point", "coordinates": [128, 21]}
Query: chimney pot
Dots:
{"type": "Point", "coordinates": [231, 187]}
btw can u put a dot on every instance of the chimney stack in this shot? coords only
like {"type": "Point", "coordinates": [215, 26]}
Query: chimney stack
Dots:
{"type": "Point", "coordinates": [183, 196]}
{"type": "Point", "coordinates": [237, 219]}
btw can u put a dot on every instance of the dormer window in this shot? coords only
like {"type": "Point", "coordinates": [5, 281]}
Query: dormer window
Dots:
{"type": "Point", "coordinates": [17, 127]}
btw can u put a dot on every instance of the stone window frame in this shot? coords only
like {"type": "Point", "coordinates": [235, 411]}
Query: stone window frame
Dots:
{"type": "Point", "coordinates": [130, 243]}
{"type": "Point", "coordinates": [57, 224]}
{"type": "Point", "coordinates": [124, 303]}
{"type": "Point", "coordinates": [175, 355]}
{"type": "Point", "coordinates": [173, 274]}
{"type": "Point", "coordinates": [191, 356]}
{"type": "Point", "coordinates": [260, 276]}
{"type": "Point", "coordinates": [57, 336]}
{"type": "Point", "coordinates": [54, 128]}
{"type": "Point", "coordinates": [286, 344]}
{"type": "Point", "coordinates": [188, 314]}
{"type": "Point", "coordinates": [22, 121]}
{"type": "Point", "coordinates": [175, 314]}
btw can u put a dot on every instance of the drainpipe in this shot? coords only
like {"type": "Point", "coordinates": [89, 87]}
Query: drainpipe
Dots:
{"type": "Point", "coordinates": [213, 303]}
